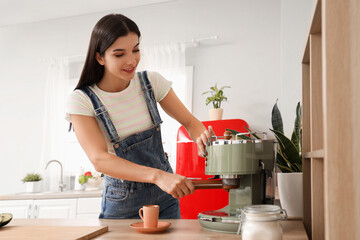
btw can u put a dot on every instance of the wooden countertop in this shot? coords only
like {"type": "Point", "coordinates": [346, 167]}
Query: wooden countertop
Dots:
{"type": "Point", "coordinates": [52, 195]}
{"type": "Point", "coordinates": [183, 229]}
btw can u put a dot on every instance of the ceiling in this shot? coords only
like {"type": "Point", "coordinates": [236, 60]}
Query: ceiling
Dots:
{"type": "Point", "coordinates": [26, 11]}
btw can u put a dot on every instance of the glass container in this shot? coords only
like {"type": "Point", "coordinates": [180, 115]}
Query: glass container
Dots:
{"type": "Point", "coordinates": [262, 222]}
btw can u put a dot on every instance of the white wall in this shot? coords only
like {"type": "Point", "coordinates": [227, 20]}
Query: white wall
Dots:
{"type": "Point", "coordinates": [247, 57]}
{"type": "Point", "coordinates": [295, 25]}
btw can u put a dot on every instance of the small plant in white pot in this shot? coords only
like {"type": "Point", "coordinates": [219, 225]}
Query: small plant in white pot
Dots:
{"type": "Point", "coordinates": [217, 96]}
{"type": "Point", "coordinates": [289, 161]}
{"type": "Point", "coordinates": [32, 182]}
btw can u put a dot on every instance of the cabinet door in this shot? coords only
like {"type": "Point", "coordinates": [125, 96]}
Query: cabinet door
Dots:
{"type": "Point", "coordinates": [55, 208]}
{"type": "Point", "coordinates": [18, 208]}
{"type": "Point", "coordinates": [89, 207]}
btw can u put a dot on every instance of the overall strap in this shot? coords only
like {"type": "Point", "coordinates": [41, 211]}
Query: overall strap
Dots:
{"type": "Point", "coordinates": [149, 97]}
{"type": "Point", "coordinates": [102, 114]}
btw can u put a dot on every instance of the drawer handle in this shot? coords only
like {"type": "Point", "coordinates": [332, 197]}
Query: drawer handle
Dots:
{"type": "Point", "coordinates": [29, 211]}
{"type": "Point", "coordinates": [36, 211]}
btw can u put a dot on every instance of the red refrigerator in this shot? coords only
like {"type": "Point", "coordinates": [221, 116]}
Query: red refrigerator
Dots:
{"type": "Point", "coordinates": [189, 164]}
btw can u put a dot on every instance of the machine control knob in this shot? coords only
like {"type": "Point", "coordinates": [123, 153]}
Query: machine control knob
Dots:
{"type": "Point", "coordinates": [227, 135]}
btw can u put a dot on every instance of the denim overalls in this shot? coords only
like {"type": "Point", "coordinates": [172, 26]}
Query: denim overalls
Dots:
{"type": "Point", "coordinates": [121, 198]}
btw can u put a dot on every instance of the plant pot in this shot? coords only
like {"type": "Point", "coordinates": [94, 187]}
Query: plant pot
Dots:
{"type": "Point", "coordinates": [290, 187]}
{"type": "Point", "coordinates": [80, 187]}
{"type": "Point", "coordinates": [93, 184]}
{"type": "Point", "coordinates": [32, 187]}
{"type": "Point", "coordinates": [215, 114]}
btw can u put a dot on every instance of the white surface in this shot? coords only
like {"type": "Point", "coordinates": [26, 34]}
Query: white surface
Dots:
{"type": "Point", "coordinates": [33, 187]}
{"type": "Point", "coordinates": [295, 21]}
{"type": "Point", "coordinates": [52, 195]}
{"type": "Point", "coordinates": [23, 11]}
{"type": "Point", "coordinates": [290, 187]}
{"type": "Point", "coordinates": [261, 231]}
{"type": "Point", "coordinates": [246, 57]}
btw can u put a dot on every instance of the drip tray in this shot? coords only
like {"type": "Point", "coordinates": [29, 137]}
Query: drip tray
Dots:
{"type": "Point", "coordinates": [219, 221]}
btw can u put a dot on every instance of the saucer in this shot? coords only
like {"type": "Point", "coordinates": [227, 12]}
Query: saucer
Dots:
{"type": "Point", "coordinates": [139, 226]}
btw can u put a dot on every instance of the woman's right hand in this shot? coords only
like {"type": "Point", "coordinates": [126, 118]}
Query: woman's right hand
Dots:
{"type": "Point", "coordinates": [203, 140]}
{"type": "Point", "coordinates": [174, 184]}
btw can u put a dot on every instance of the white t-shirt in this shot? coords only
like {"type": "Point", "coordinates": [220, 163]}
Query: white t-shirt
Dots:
{"type": "Point", "coordinates": [127, 109]}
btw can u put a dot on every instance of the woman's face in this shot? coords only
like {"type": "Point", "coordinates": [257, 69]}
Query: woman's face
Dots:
{"type": "Point", "coordinates": [121, 58]}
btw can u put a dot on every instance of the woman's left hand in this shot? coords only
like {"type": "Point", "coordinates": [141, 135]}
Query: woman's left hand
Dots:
{"type": "Point", "coordinates": [203, 140]}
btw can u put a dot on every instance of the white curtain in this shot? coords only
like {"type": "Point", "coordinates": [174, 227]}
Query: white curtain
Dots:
{"type": "Point", "coordinates": [169, 61]}
{"type": "Point", "coordinates": [54, 124]}
{"type": "Point", "coordinates": [164, 56]}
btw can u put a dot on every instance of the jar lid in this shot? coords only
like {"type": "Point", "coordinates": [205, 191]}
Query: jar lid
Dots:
{"type": "Point", "coordinates": [264, 213]}
{"type": "Point", "coordinates": [263, 209]}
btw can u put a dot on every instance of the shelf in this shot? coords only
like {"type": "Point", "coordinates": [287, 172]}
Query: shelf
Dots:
{"type": "Point", "coordinates": [314, 154]}
{"type": "Point", "coordinates": [313, 129]}
{"type": "Point", "coordinates": [330, 84]}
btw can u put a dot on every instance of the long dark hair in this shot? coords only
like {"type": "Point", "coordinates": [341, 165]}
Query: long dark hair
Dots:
{"type": "Point", "coordinates": [107, 30]}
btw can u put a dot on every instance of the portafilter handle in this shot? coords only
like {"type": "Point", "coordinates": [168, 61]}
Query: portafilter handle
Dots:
{"type": "Point", "coordinates": [207, 184]}
{"type": "Point", "coordinates": [212, 184]}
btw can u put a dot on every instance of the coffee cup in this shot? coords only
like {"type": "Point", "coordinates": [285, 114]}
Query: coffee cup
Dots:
{"type": "Point", "coordinates": [150, 215]}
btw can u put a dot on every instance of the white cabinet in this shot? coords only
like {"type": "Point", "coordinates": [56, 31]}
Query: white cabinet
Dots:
{"type": "Point", "coordinates": [18, 208]}
{"type": "Point", "coordinates": [49, 208]}
{"type": "Point", "coordinates": [53, 208]}
{"type": "Point", "coordinates": [88, 207]}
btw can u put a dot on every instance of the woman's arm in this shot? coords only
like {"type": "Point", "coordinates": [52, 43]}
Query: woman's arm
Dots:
{"type": "Point", "coordinates": [176, 109]}
{"type": "Point", "coordinates": [92, 141]}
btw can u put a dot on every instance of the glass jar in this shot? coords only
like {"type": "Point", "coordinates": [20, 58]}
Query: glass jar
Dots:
{"type": "Point", "coordinates": [262, 222]}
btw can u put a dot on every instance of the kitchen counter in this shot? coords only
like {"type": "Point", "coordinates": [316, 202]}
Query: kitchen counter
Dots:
{"type": "Point", "coordinates": [179, 229]}
{"type": "Point", "coordinates": [52, 195]}
{"type": "Point", "coordinates": [65, 194]}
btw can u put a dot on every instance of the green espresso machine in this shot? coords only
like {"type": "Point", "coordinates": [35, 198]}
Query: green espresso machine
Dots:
{"type": "Point", "coordinates": [247, 170]}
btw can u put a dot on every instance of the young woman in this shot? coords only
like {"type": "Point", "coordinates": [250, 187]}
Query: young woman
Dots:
{"type": "Point", "coordinates": [114, 114]}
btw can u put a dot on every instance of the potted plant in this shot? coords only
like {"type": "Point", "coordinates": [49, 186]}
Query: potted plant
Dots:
{"type": "Point", "coordinates": [217, 96]}
{"type": "Point", "coordinates": [32, 182]}
{"type": "Point", "coordinates": [289, 162]}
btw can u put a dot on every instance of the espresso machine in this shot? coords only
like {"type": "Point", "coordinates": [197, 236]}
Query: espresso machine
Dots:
{"type": "Point", "coordinates": [243, 167]}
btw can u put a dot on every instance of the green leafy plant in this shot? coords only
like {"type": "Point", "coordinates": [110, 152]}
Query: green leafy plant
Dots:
{"type": "Point", "coordinates": [83, 178]}
{"type": "Point", "coordinates": [217, 96]}
{"type": "Point", "coordinates": [32, 177]}
{"type": "Point", "coordinates": [289, 151]}
{"type": "Point", "coordinates": [248, 136]}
